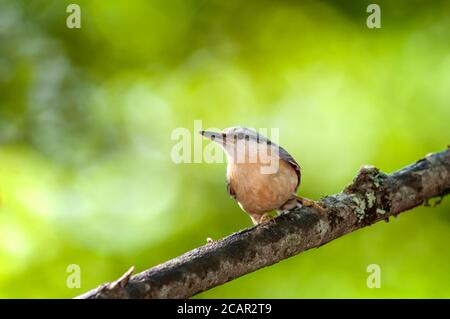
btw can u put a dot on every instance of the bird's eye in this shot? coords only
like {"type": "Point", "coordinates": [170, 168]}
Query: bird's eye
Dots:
{"type": "Point", "coordinates": [240, 136]}
{"type": "Point", "coordinates": [269, 142]}
{"type": "Point", "coordinates": [213, 137]}
{"type": "Point", "coordinates": [247, 137]}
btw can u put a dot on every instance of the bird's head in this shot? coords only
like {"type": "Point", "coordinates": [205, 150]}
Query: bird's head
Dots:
{"type": "Point", "coordinates": [232, 136]}
{"type": "Point", "coordinates": [238, 141]}
{"type": "Point", "coordinates": [244, 145]}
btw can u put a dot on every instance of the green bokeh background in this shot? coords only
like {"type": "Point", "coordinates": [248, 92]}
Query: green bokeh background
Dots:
{"type": "Point", "coordinates": [86, 116]}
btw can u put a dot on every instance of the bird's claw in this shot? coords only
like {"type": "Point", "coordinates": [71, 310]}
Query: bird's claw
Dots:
{"type": "Point", "coordinates": [265, 218]}
{"type": "Point", "coordinates": [306, 202]}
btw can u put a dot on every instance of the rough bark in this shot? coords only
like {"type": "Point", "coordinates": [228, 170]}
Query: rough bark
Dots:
{"type": "Point", "coordinates": [373, 196]}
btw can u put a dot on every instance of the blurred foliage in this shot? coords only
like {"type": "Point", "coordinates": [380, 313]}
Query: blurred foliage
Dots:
{"type": "Point", "coordinates": [86, 116]}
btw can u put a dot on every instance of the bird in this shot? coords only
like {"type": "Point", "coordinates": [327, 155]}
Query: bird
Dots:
{"type": "Point", "coordinates": [256, 188]}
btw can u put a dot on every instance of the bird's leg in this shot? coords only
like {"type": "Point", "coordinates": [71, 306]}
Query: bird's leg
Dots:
{"type": "Point", "coordinates": [306, 202]}
{"type": "Point", "coordinates": [255, 218]}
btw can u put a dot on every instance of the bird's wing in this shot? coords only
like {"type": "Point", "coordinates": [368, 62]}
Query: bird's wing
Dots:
{"type": "Point", "coordinates": [230, 190]}
{"type": "Point", "coordinates": [284, 155]}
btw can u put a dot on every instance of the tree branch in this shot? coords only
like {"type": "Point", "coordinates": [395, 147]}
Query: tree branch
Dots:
{"type": "Point", "coordinates": [373, 196]}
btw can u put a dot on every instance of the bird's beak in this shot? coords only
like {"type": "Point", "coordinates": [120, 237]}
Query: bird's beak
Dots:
{"type": "Point", "coordinates": [213, 136]}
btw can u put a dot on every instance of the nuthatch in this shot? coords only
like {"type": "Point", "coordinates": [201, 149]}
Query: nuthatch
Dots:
{"type": "Point", "coordinates": [257, 189]}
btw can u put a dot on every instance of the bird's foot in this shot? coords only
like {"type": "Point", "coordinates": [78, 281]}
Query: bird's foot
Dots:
{"type": "Point", "coordinates": [265, 218]}
{"type": "Point", "coordinates": [306, 202]}
{"type": "Point", "coordinates": [259, 219]}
